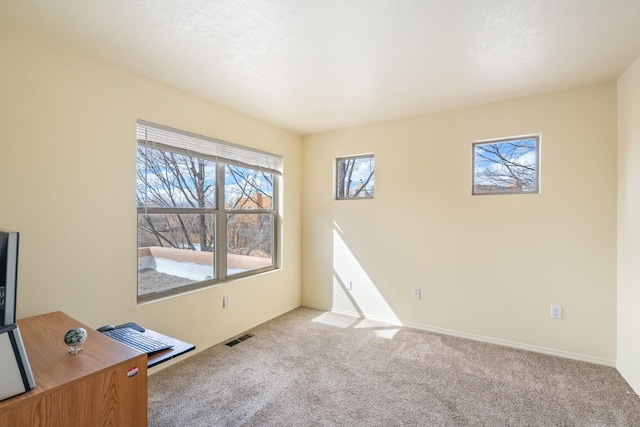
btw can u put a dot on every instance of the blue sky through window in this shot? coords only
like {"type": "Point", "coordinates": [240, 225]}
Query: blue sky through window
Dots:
{"type": "Point", "coordinates": [506, 166]}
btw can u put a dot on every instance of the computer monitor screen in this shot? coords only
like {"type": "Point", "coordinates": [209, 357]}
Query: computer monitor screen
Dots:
{"type": "Point", "coordinates": [8, 275]}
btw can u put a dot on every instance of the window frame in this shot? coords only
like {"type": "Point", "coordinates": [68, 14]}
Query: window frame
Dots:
{"type": "Point", "coordinates": [337, 177]}
{"type": "Point", "coordinates": [220, 211]}
{"type": "Point", "coordinates": [536, 190]}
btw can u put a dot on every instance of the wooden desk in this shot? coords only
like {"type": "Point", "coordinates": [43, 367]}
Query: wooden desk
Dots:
{"type": "Point", "coordinates": [96, 387]}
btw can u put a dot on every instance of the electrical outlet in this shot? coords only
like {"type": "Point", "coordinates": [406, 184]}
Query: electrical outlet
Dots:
{"type": "Point", "coordinates": [556, 312]}
{"type": "Point", "coordinates": [416, 294]}
{"type": "Point", "coordinates": [225, 301]}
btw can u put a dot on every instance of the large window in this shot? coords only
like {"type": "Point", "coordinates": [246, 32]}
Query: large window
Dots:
{"type": "Point", "coordinates": [207, 210]}
{"type": "Point", "coordinates": [506, 166]}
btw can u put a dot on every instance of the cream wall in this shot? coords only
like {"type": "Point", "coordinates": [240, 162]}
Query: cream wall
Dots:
{"type": "Point", "coordinates": [67, 184]}
{"type": "Point", "coordinates": [488, 267]}
{"type": "Point", "coordinates": [629, 225]}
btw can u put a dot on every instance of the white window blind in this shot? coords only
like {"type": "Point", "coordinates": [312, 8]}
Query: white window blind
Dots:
{"type": "Point", "coordinates": [163, 137]}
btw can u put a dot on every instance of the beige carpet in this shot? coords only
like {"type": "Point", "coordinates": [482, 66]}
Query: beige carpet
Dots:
{"type": "Point", "coordinates": [312, 368]}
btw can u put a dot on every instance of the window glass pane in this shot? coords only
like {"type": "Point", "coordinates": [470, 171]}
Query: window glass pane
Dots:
{"type": "Point", "coordinates": [185, 183]}
{"type": "Point", "coordinates": [355, 177]}
{"type": "Point", "coordinates": [508, 166]}
{"type": "Point", "coordinates": [167, 179]}
{"type": "Point", "coordinates": [174, 250]}
{"type": "Point", "coordinates": [250, 243]}
{"type": "Point", "coordinates": [247, 188]}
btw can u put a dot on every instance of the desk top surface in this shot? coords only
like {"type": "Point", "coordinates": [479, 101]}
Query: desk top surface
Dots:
{"type": "Point", "coordinates": [52, 364]}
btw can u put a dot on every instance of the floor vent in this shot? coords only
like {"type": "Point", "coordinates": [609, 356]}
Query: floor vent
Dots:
{"type": "Point", "coordinates": [239, 340]}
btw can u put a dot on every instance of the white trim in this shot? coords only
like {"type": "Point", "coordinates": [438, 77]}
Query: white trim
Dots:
{"type": "Point", "coordinates": [514, 344]}
{"type": "Point", "coordinates": [628, 376]}
{"type": "Point", "coordinates": [475, 337]}
{"type": "Point", "coordinates": [316, 307]}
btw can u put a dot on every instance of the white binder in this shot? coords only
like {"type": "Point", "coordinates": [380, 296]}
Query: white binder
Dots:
{"type": "Point", "coordinates": [15, 370]}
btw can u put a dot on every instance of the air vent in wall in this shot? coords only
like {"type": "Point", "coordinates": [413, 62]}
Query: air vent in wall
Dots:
{"type": "Point", "coordinates": [239, 340]}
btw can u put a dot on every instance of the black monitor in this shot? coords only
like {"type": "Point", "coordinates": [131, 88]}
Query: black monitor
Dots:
{"type": "Point", "coordinates": [8, 276]}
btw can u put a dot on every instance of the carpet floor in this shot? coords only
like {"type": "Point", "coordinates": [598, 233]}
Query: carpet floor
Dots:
{"type": "Point", "coordinates": [315, 368]}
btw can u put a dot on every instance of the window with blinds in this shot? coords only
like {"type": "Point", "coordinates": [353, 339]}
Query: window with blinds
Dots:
{"type": "Point", "coordinates": [207, 210]}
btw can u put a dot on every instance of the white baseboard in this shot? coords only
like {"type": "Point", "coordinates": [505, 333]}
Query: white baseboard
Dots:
{"type": "Point", "coordinates": [475, 337]}
{"type": "Point", "coordinates": [627, 374]}
{"type": "Point", "coordinates": [515, 344]}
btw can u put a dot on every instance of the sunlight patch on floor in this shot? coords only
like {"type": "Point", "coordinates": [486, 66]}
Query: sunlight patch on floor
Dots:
{"type": "Point", "coordinates": [386, 333]}
{"type": "Point", "coordinates": [338, 321]}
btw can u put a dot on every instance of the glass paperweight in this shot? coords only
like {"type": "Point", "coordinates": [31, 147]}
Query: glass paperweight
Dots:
{"type": "Point", "coordinates": [75, 339]}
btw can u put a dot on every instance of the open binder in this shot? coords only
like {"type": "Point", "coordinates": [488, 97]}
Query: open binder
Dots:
{"type": "Point", "coordinates": [15, 370]}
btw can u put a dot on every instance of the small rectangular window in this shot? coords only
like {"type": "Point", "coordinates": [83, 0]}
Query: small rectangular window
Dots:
{"type": "Point", "coordinates": [506, 166]}
{"type": "Point", "coordinates": [354, 177]}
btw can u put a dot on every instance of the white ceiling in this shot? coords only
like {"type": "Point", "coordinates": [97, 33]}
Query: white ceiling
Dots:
{"type": "Point", "coordinates": [315, 65]}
